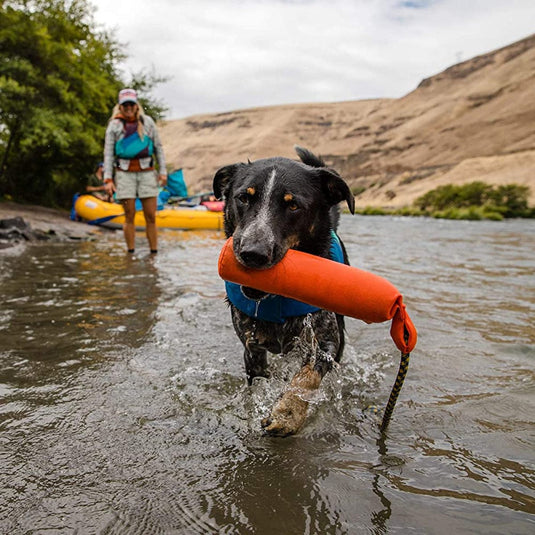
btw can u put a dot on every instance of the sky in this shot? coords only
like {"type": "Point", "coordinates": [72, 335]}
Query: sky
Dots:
{"type": "Point", "coordinates": [226, 55]}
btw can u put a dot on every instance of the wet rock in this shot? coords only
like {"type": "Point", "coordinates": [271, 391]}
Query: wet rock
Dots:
{"type": "Point", "coordinates": [15, 229]}
{"type": "Point", "coordinates": [13, 222]}
{"type": "Point", "coordinates": [24, 224]}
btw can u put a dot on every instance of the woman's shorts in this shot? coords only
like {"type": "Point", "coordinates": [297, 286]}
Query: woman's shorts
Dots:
{"type": "Point", "coordinates": [140, 184]}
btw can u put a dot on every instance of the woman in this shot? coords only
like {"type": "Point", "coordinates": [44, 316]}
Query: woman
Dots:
{"type": "Point", "coordinates": [131, 143]}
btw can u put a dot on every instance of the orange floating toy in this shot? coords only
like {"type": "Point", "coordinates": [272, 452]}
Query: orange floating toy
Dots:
{"type": "Point", "coordinates": [329, 285]}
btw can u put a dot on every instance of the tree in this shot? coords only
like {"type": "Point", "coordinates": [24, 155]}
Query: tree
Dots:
{"type": "Point", "coordinates": [58, 83]}
{"type": "Point", "coordinates": [513, 198]}
{"type": "Point", "coordinates": [438, 198]}
{"type": "Point", "coordinates": [473, 194]}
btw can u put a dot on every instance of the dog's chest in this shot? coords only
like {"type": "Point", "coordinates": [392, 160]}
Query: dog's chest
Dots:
{"type": "Point", "coordinates": [282, 337]}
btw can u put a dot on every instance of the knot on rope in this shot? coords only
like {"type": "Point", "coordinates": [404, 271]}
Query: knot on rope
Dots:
{"type": "Point", "coordinates": [402, 330]}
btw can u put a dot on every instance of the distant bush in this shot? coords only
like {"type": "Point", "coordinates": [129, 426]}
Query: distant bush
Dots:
{"type": "Point", "coordinates": [513, 198]}
{"type": "Point", "coordinates": [408, 211]}
{"type": "Point", "coordinates": [476, 200]}
{"type": "Point", "coordinates": [372, 210]}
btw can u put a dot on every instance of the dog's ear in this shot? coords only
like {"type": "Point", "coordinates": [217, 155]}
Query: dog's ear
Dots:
{"type": "Point", "coordinates": [336, 189]}
{"type": "Point", "coordinates": [223, 178]}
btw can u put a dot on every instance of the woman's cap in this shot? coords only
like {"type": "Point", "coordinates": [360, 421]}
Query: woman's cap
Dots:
{"type": "Point", "coordinates": [127, 95]}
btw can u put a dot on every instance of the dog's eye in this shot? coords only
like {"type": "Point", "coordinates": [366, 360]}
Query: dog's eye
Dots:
{"type": "Point", "coordinates": [243, 198]}
{"type": "Point", "coordinates": [291, 203]}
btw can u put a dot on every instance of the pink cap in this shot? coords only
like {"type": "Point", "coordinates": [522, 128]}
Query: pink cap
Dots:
{"type": "Point", "coordinates": [127, 95]}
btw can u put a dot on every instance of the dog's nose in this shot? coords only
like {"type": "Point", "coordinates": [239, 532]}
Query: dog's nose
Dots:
{"type": "Point", "coordinates": [254, 256]}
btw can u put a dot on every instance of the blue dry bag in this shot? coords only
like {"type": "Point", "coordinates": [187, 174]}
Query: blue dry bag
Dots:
{"type": "Point", "coordinates": [176, 184]}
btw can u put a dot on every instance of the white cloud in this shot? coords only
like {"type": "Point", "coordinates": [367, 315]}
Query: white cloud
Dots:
{"type": "Point", "coordinates": [224, 55]}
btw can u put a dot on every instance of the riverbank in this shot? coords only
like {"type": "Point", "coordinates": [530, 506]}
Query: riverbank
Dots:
{"type": "Point", "coordinates": [40, 223]}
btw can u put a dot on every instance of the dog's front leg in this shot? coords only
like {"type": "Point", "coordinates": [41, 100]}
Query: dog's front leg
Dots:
{"type": "Point", "coordinates": [256, 364]}
{"type": "Point", "coordinates": [254, 339]}
{"type": "Point", "coordinates": [290, 412]}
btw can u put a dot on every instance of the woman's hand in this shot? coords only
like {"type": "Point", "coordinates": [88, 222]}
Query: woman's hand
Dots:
{"type": "Point", "coordinates": [162, 179]}
{"type": "Point", "coordinates": [109, 187]}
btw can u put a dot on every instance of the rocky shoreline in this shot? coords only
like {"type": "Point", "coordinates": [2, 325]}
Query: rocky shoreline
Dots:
{"type": "Point", "coordinates": [22, 223]}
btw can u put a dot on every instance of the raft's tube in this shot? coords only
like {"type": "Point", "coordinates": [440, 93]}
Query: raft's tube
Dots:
{"type": "Point", "coordinates": [329, 285]}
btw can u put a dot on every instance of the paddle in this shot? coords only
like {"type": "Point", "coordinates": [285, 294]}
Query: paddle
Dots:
{"type": "Point", "coordinates": [188, 197]}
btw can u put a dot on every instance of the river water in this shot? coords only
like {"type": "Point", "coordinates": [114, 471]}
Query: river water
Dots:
{"type": "Point", "coordinates": [124, 406]}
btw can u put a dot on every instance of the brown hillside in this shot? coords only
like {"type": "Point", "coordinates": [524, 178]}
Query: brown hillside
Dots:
{"type": "Point", "coordinates": [474, 121]}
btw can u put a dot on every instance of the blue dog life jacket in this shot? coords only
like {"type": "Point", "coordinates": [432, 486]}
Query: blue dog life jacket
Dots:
{"type": "Point", "coordinates": [276, 308]}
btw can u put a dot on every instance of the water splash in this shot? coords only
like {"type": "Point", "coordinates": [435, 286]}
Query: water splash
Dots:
{"type": "Point", "coordinates": [306, 346]}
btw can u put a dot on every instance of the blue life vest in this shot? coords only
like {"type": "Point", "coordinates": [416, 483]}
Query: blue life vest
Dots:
{"type": "Point", "coordinates": [131, 146]}
{"type": "Point", "coordinates": [276, 308]}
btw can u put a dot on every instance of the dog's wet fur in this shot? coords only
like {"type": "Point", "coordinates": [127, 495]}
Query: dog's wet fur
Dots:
{"type": "Point", "coordinates": [272, 205]}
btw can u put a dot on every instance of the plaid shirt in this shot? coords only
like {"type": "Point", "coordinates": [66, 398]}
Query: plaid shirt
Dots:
{"type": "Point", "coordinates": [115, 132]}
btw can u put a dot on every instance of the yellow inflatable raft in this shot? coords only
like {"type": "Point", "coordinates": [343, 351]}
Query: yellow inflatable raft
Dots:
{"type": "Point", "coordinates": [97, 212]}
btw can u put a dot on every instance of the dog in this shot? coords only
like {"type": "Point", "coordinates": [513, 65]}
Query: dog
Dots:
{"type": "Point", "coordinates": [272, 205]}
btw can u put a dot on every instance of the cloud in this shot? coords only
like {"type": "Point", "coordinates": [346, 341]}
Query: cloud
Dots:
{"type": "Point", "coordinates": [230, 54]}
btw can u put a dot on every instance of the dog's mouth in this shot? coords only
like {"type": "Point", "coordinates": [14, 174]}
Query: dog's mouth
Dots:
{"type": "Point", "coordinates": [256, 257]}
{"type": "Point", "coordinates": [252, 293]}
{"type": "Point", "coordinates": [254, 265]}
{"type": "Point", "coordinates": [259, 253]}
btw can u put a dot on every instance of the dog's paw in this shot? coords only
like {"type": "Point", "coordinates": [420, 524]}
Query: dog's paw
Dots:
{"type": "Point", "coordinates": [287, 416]}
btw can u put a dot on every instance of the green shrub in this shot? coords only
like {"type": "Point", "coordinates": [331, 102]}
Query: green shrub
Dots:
{"type": "Point", "coordinates": [371, 210]}
{"type": "Point", "coordinates": [476, 200]}
{"type": "Point", "coordinates": [409, 211]}
{"type": "Point", "coordinates": [494, 216]}
{"type": "Point", "coordinates": [513, 198]}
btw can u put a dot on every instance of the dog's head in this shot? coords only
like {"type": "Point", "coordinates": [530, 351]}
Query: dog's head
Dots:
{"type": "Point", "coordinates": [276, 204]}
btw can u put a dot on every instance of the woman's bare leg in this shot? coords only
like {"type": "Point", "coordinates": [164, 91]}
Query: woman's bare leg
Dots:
{"type": "Point", "coordinates": [149, 211]}
{"type": "Point", "coordinates": [129, 228]}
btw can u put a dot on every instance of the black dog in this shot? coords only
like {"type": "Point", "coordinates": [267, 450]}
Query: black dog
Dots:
{"type": "Point", "coordinates": [273, 205]}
